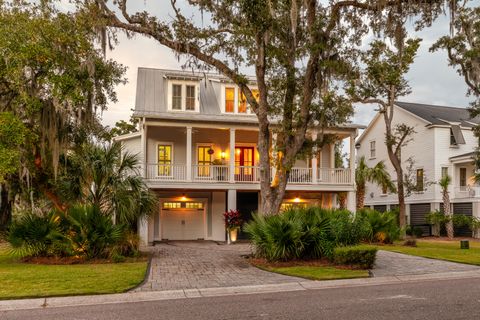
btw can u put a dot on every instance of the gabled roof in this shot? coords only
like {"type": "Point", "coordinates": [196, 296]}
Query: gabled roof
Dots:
{"type": "Point", "coordinates": [440, 115]}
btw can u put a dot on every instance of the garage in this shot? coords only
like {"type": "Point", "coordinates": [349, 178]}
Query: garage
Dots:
{"type": "Point", "coordinates": [182, 221]}
{"type": "Point", "coordinates": [466, 209]}
{"type": "Point", "coordinates": [418, 212]}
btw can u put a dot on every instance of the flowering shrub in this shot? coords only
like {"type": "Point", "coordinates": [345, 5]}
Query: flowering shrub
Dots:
{"type": "Point", "coordinates": [232, 219]}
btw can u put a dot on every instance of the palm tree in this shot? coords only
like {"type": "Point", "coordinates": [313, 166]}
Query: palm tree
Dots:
{"type": "Point", "coordinates": [444, 183]}
{"type": "Point", "coordinates": [109, 179]}
{"type": "Point", "coordinates": [378, 175]}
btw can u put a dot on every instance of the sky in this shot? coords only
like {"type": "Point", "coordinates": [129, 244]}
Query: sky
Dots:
{"type": "Point", "coordinates": [431, 79]}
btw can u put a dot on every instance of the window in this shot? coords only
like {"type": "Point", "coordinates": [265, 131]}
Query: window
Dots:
{"type": "Point", "coordinates": [177, 97]}
{"type": "Point", "coordinates": [204, 161]}
{"type": "Point", "coordinates": [444, 172]}
{"type": "Point", "coordinates": [419, 180]}
{"type": "Point", "coordinates": [256, 94]}
{"type": "Point", "coordinates": [164, 160]}
{"type": "Point", "coordinates": [242, 103]}
{"type": "Point", "coordinates": [229, 99]}
{"type": "Point", "coordinates": [372, 149]}
{"type": "Point", "coordinates": [463, 177]}
{"type": "Point", "coordinates": [190, 101]}
{"type": "Point", "coordinates": [194, 205]}
{"type": "Point", "coordinates": [172, 205]}
{"type": "Point", "coordinates": [456, 136]}
{"type": "Point", "coordinates": [182, 205]}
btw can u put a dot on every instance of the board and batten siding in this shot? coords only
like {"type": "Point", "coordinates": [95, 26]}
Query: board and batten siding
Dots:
{"type": "Point", "coordinates": [134, 146]}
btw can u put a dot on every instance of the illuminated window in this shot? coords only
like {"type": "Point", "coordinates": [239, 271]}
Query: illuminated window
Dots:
{"type": "Point", "coordinates": [419, 180]}
{"type": "Point", "coordinates": [256, 94]}
{"type": "Point", "coordinates": [194, 205]}
{"type": "Point", "coordinates": [172, 205]}
{"type": "Point", "coordinates": [164, 160]}
{"type": "Point", "coordinates": [190, 102]}
{"type": "Point", "coordinates": [242, 103]}
{"type": "Point", "coordinates": [183, 205]}
{"type": "Point", "coordinates": [177, 97]}
{"type": "Point", "coordinates": [229, 99]}
{"type": "Point", "coordinates": [204, 161]}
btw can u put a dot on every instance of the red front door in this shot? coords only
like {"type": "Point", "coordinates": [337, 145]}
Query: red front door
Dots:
{"type": "Point", "coordinates": [244, 163]}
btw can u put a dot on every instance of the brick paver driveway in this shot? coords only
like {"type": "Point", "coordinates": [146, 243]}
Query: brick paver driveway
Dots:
{"type": "Point", "coordinates": [398, 264]}
{"type": "Point", "coordinates": [205, 264]}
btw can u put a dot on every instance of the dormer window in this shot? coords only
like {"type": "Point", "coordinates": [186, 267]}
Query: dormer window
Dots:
{"type": "Point", "coordinates": [229, 100]}
{"type": "Point", "coordinates": [183, 96]}
{"type": "Point", "coordinates": [190, 99]}
{"type": "Point", "coordinates": [235, 101]}
{"type": "Point", "coordinates": [177, 97]}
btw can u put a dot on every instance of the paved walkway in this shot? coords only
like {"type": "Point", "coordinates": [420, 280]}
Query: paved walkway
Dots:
{"type": "Point", "coordinates": [205, 264]}
{"type": "Point", "coordinates": [397, 264]}
{"type": "Point", "coordinates": [183, 265]}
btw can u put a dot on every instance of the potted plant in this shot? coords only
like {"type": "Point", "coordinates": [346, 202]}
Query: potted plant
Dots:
{"type": "Point", "coordinates": [233, 222]}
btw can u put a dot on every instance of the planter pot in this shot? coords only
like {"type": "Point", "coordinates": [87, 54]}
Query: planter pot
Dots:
{"type": "Point", "coordinates": [232, 235]}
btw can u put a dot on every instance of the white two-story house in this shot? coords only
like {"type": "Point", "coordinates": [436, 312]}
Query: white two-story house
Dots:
{"type": "Point", "coordinates": [443, 143]}
{"type": "Point", "coordinates": [198, 146]}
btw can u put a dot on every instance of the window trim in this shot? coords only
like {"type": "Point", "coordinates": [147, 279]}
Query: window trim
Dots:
{"type": "Point", "coordinates": [460, 177]}
{"type": "Point", "coordinates": [184, 85]}
{"type": "Point", "coordinates": [172, 156]}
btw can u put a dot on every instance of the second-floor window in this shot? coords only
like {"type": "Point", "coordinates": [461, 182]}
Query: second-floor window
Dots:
{"type": "Point", "coordinates": [177, 97]}
{"type": "Point", "coordinates": [463, 177]}
{"type": "Point", "coordinates": [384, 189]}
{"type": "Point", "coordinates": [419, 180]}
{"type": "Point", "coordinates": [242, 103]}
{"type": "Point", "coordinates": [204, 160]}
{"type": "Point", "coordinates": [444, 172]}
{"type": "Point", "coordinates": [373, 151]}
{"type": "Point", "coordinates": [230, 100]}
{"type": "Point", "coordinates": [190, 99]}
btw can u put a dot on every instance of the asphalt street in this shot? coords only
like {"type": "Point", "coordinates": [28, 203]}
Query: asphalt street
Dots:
{"type": "Point", "coordinates": [440, 299]}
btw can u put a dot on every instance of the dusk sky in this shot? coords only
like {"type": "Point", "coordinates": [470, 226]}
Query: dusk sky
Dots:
{"type": "Point", "coordinates": [431, 79]}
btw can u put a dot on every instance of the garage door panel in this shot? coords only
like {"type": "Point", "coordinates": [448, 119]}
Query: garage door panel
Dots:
{"type": "Point", "coordinates": [182, 224]}
{"type": "Point", "coordinates": [418, 213]}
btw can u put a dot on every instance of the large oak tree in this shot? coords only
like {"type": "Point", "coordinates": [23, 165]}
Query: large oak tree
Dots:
{"type": "Point", "coordinates": [301, 50]}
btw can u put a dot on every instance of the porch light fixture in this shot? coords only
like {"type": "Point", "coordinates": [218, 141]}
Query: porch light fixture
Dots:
{"type": "Point", "coordinates": [297, 200]}
{"type": "Point", "coordinates": [183, 197]}
{"type": "Point", "coordinates": [222, 155]}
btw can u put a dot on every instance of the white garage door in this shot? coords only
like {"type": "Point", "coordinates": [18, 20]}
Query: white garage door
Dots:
{"type": "Point", "coordinates": [182, 224]}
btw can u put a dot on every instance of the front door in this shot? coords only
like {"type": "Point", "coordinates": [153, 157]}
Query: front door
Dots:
{"type": "Point", "coordinates": [244, 162]}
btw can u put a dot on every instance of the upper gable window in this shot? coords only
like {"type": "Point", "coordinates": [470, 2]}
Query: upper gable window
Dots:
{"type": "Point", "coordinates": [456, 136]}
{"type": "Point", "coordinates": [373, 151]}
{"type": "Point", "coordinates": [183, 96]}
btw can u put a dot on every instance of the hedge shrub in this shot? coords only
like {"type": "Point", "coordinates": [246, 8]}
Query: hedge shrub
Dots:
{"type": "Point", "coordinates": [361, 256]}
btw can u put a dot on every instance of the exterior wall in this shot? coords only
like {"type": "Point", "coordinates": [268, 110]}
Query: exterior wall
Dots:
{"type": "Point", "coordinates": [134, 146]}
{"type": "Point", "coordinates": [421, 148]}
{"type": "Point", "coordinates": [173, 135]}
{"type": "Point", "coordinates": [218, 208]}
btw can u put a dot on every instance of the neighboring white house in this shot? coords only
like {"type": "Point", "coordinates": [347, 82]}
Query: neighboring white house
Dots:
{"type": "Point", "coordinates": [443, 143]}
{"type": "Point", "coordinates": [198, 146]}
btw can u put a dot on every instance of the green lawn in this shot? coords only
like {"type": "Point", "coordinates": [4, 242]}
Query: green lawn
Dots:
{"type": "Point", "coordinates": [22, 280]}
{"type": "Point", "coordinates": [319, 272]}
{"type": "Point", "coordinates": [437, 249]}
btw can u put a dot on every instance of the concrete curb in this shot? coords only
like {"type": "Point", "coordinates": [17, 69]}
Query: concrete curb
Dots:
{"type": "Point", "coordinates": [128, 297]}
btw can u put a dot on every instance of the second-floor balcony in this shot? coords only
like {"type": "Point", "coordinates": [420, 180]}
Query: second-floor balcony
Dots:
{"type": "Point", "coordinates": [242, 174]}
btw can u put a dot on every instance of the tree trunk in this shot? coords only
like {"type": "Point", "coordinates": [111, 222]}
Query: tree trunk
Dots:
{"type": "Point", "coordinates": [5, 207]}
{"type": "Point", "coordinates": [447, 212]}
{"type": "Point", "coordinates": [360, 196]}
{"type": "Point", "coordinates": [396, 162]}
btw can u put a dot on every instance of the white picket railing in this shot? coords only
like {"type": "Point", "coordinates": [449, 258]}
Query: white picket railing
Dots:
{"type": "Point", "coordinates": [247, 174]}
{"type": "Point", "coordinates": [300, 176]}
{"type": "Point", "coordinates": [467, 192]}
{"type": "Point", "coordinates": [210, 173]}
{"type": "Point", "coordinates": [334, 176]}
{"type": "Point", "coordinates": [167, 172]}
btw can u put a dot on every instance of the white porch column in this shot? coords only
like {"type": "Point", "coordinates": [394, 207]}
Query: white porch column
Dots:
{"type": "Point", "coordinates": [351, 201]}
{"type": "Point", "coordinates": [189, 154]}
{"type": "Point", "coordinates": [232, 156]}
{"type": "Point", "coordinates": [143, 231]}
{"type": "Point", "coordinates": [352, 158]}
{"type": "Point", "coordinates": [232, 199]}
{"type": "Point", "coordinates": [314, 161]}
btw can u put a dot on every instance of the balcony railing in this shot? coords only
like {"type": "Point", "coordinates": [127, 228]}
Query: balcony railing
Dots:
{"type": "Point", "coordinates": [467, 192]}
{"type": "Point", "coordinates": [242, 174]}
